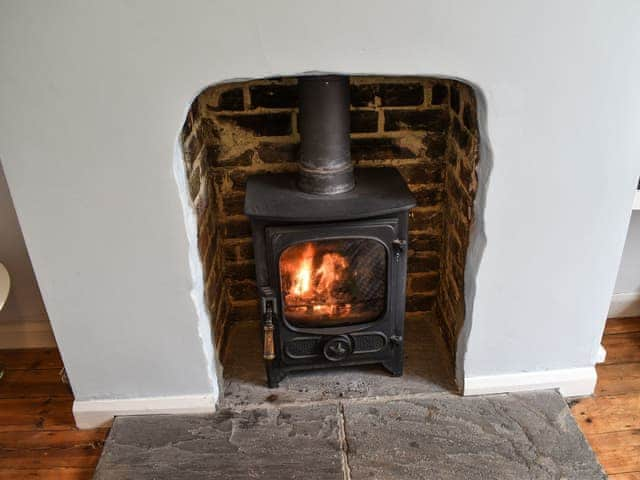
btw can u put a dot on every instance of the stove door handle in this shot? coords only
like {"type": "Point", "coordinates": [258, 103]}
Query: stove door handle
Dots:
{"type": "Point", "coordinates": [269, 351]}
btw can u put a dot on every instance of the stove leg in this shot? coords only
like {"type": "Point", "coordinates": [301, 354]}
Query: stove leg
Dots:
{"type": "Point", "coordinates": [274, 376]}
{"type": "Point", "coordinates": [395, 365]}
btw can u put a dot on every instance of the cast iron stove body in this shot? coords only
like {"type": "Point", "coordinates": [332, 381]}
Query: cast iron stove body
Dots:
{"type": "Point", "coordinates": [330, 246]}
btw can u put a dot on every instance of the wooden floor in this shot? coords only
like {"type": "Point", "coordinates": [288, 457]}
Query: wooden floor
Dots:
{"type": "Point", "coordinates": [38, 439]}
{"type": "Point", "coordinates": [611, 418]}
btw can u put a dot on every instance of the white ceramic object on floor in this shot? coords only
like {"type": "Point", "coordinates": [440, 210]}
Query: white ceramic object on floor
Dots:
{"type": "Point", "coordinates": [5, 284]}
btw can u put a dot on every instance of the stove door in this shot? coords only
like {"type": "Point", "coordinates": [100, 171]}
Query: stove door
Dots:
{"type": "Point", "coordinates": [335, 278]}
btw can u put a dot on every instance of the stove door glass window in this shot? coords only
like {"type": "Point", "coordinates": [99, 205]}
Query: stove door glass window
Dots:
{"type": "Point", "coordinates": [330, 283]}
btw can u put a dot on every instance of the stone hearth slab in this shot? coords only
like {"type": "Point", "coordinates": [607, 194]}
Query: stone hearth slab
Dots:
{"type": "Point", "coordinates": [288, 443]}
{"type": "Point", "coordinates": [440, 437]}
{"type": "Point", "coordinates": [427, 369]}
{"type": "Point", "coordinates": [506, 437]}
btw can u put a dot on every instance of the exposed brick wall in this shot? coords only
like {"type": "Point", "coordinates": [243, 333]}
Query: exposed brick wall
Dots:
{"type": "Point", "coordinates": [460, 185]}
{"type": "Point", "coordinates": [235, 130]}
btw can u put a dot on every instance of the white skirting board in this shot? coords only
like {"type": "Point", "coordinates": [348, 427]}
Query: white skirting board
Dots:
{"type": "Point", "coordinates": [100, 413]}
{"type": "Point", "coordinates": [571, 382]}
{"type": "Point", "coordinates": [625, 305]}
{"type": "Point", "coordinates": [28, 334]}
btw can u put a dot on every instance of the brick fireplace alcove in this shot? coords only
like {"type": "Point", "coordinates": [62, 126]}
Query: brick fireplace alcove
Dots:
{"type": "Point", "coordinates": [425, 127]}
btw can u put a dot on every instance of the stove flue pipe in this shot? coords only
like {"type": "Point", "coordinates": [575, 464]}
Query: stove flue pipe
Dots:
{"type": "Point", "coordinates": [324, 121]}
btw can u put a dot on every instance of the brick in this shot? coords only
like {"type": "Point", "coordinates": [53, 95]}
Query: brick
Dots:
{"type": "Point", "coordinates": [462, 137]}
{"type": "Point", "coordinates": [238, 250]}
{"type": "Point", "coordinates": [364, 121]}
{"type": "Point", "coordinates": [436, 145]}
{"type": "Point", "coordinates": [231, 100]}
{"type": "Point", "coordinates": [426, 282]}
{"type": "Point", "coordinates": [422, 173]}
{"type": "Point", "coordinates": [428, 197]}
{"type": "Point", "coordinates": [262, 124]}
{"type": "Point", "coordinates": [418, 302]}
{"type": "Point", "coordinates": [242, 290]}
{"type": "Point", "coordinates": [194, 182]}
{"type": "Point", "coordinates": [439, 93]}
{"type": "Point", "coordinates": [237, 228]}
{"type": "Point", "coordinates": [400, 94]}
{"type": "Point", "coordinates": [424, 242]}
{"type": "Point", "coordinates": [233, 204]}
{"type": "Point", "coordinates": [207, 132]}
{"type": "Point", "coordinates": [212, 155]}
{"type": "Point", "coordinates": [190, 149]}
{"type": "Point", "coordinates": [378, 149]}
{"type": "Point", "coordinates": [240, 271]}
{"type": "Point", "coordinates": [270, 152]}
{"type": "Point", "coordinates": [419, 263]}
{"type": "Point", "coordinates": [469, 117]}
{"type": "Point", "coordinates": [245, 250]}
{"type": "Point", "coordinates": [390, 94]}
{"type": "Point", "coordinates": [247, 310]}
{"type": "Point", "coordinates": [429, 120]}
{"type": "Point", "coordinates": [423, 219]}
{"type": "Point", "coordinates": [454, 98]}
{"type": "Point", "coordinates": [239, 179]}
{"type": "Point", "coordinates": [274, 96]}
{"type": "Point", "coordinates": [362, 95]}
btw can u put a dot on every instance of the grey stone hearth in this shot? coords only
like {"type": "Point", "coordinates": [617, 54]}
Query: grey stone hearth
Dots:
{"type": "Point", "coordinates": [354, 424]}
{"type": "Point", "coordinates": [441, 436]}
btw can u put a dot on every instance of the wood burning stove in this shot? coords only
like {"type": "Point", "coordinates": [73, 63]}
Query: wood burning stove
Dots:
{"type": "Point", "coordinates": [330, 247]}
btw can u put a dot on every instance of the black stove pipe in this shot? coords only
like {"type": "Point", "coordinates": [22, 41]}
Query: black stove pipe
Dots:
{"type": "Point", "coordinates": [324, 121]}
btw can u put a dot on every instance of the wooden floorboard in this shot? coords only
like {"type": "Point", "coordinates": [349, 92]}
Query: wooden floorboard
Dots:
{"type": "Point", "coordinates": [618, 379]}
{"type": "Point", "coordinates": [622, 325]}
{"type": "Point", "coordinates": [34, 383]}
{"type": "Point", "coordinates": [56, 473]}
{"type": "Point", "coordinates": [31, 359]}
{"type": "Point", "coordinates": [611, 418]}
{"type": "Point", "coordinates": [622, 347]}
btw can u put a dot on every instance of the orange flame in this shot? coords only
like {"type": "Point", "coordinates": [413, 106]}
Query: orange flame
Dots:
{"type": "Point", "coordinates": [312, 286]}
{"type": "Point", "coordinates": [302, 275]}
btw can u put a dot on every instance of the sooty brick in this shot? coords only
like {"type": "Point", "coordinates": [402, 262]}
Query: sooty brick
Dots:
{"type": "Point", "coordinates": [231, 100]}
{"type": "Point", "coordinates": [460, 134]}
{"type": "Point", "coordinates": [468, 117]}
{"type": "Point", "coordinates": [439, 94]}
{"type": "Point", "coordinates": [278, 152]}
{"type": "Point", "coordinates": [364, 121]}
{"type": "Point", "coordinates": [454, 99]}
{"type": "Point", "coordinates": [429, 120]}
{"type": "Point", "coordinates": [274, 96]}
{"type": "Point", "coordinates": [262, 124]}
{"type": "Point", "coordinates": [378, 149]}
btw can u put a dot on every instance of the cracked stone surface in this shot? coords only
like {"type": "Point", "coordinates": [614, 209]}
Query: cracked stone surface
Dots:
{"type": "Point", "coordinates": [288, 443]}
{"type": "Point", "coordinates": [427, 369]}
{"type": "Point", "coordinates": [442, 437]}
{"type": "Point", "coordinates": [516, 436]}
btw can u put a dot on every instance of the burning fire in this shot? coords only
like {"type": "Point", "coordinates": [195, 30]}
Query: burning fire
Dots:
{"type": "Point", "coordinates": [313, 281]}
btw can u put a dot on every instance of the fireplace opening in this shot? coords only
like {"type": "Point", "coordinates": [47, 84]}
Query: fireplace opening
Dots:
{"type": "Point", "coordinates": [335, 280]}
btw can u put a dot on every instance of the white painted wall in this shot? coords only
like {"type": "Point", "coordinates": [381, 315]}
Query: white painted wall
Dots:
{"type": "Point", "coordinates": [628, 280]}
{"type": "Point", "coordinates": [93, 95]}
{"type": "Point", "coordinates": [23, 319]}
{"type": "Point", "coordinates": [626, 297]}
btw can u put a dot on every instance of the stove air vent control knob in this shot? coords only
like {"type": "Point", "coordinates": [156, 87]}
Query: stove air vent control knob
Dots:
{"type": "Point", "coordinates": [338, 348]}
